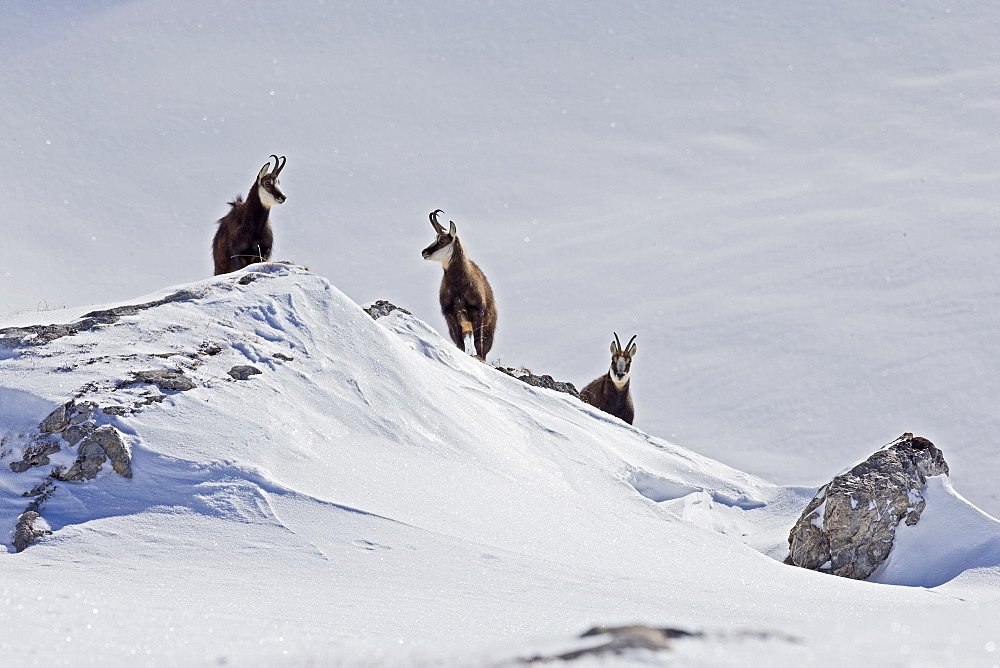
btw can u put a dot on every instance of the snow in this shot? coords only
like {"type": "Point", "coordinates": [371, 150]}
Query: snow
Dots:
{"type": "Point", "coordinates": [383, 498]}
{"type": "Point", "coordinates": [790, 205]}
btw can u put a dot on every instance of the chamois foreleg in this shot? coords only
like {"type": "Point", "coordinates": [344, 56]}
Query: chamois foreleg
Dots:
{"type": "Point", "coordinates": [453, 316]}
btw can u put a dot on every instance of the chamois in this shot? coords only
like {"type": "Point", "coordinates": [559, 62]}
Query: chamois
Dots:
{"type": "Point", "coordinates": [244, 235]}
{"type": "Point", "coordinates": [610, 391]}
{"type": "Point", "coordinates": [466, 297]}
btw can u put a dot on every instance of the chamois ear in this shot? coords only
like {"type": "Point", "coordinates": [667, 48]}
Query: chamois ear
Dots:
{"type": "Point", "coordinates": [631, 351]}
{"type": "Point", "coordinates": [614, 348]}
{"type": "Point", "coordinates": [264, 170]}
{"type": "Point", "coordinates": [451, 229]}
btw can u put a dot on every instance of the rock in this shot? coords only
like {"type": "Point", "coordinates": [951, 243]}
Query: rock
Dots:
{"type": "Point", "coordinates": [243, 371]}
{"type": "Point", "coordinates": [849, 526]}
{"type": "Point", "coordinates": [382, 308]}
{"type": "Point", "coordinates": [36, 454]}
{"type": "Point", "coordinates": [166, 379]}
{"type": "Point", "coordinates": [25, 533]}
{"type": "Point", "coordinates": [620, 639]}
{"type": "Point", "coordinates": [110, 440]}
{"type": "Point", "coordinates": [87, 464]}
{"type": "Point", "coordinates": [80, 413]}
{"type": "Point", "coordinates": [56, 420]}
{"type": "Point", "coordinates": [544, 380]}
{"type": "Point", "coordinates": [76, 433]}
{"type": "Point", "coordinates": [38, 335]}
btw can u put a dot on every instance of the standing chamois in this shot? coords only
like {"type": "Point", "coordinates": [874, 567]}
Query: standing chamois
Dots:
{"type": "Point", "coordinates": [244, 235]}
{"type": "Point", "coordinates": [466, 297]}
{"type": "Point", "coordinates": [610, 391]}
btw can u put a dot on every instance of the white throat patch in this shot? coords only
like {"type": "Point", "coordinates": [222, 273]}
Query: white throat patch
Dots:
{"type": "Point", "coordinates": [266, 198]}
{"type": "Point", "coordinates": [443, 255]}
{"type": "Point", "coordinates": [614, 378]}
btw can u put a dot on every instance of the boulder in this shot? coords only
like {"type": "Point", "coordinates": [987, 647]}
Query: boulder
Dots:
{"type": "Point", "coordinates": [849, 526]}
{"type": "Point", "coordinates": [56, 420]}
{"type": "Point", "coordinates": [114, 447]}
{"type": "Point", "coordinates": [88, 463]}
{"type": "Point", "coordinates": [77, 432]}
{"type": "Point", "coordinates": [243, 371]}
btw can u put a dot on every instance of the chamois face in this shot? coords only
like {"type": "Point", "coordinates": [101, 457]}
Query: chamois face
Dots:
{"type": "Point", "coordinates": [621, 362]}
{"type": "Point", "coordinates": [268, 185]}
{"type": "Point", "coordinates": [442, 247]}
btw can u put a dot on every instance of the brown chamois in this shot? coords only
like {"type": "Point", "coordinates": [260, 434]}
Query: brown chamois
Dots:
{"type": "Point", "coordinates": [466, 297]}
{"type": "Point", "coordinates": [244, 235]}
{"type": "Point", "coordinates": [610, 391]}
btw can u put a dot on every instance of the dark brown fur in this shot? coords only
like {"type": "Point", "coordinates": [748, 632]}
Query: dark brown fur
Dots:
{"type": "Point", "coordinates": [602, 392]}
{"type": "Point", "coordinates": [244, 235]}
{"type": "Point", "coordinates": [466, 296]}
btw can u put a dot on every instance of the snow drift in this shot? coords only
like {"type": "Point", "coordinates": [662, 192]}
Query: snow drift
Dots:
{"type": "Point", "coordinates": [374, 494]}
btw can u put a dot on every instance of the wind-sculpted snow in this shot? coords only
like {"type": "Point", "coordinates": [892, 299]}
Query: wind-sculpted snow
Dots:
{"type": "Point", "coordinates": [374, 492]}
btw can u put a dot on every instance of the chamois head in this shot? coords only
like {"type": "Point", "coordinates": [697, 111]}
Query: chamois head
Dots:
{"type": "Point", "coordinates": [268, 183]}
{"type": "Point", "coordinates": [441, 249]}
{"type": "Point", "coordinates": [621, 360]}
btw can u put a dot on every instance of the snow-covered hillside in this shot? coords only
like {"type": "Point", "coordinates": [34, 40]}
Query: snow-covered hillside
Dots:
{"type": "Point", "coordinates": [375, 497]}
{"type": "Point", "coordinates": [791, 204]}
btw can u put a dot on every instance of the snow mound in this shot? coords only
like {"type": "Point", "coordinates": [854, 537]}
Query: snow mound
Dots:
{"type": "Point", "coordinates": [375, 492]}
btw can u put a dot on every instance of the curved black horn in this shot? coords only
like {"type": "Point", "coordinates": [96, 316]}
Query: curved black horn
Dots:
{"type": "Point", "coordinates": [434, 220]}
{"type": "Point", "coordinates": [278, 164]}
{"type": "Point", "coordinates": [629, 344]}
{"type": "Point", "coordinates": [617, 342]}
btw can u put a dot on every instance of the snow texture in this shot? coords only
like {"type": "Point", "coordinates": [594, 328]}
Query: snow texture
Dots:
{"type": "Point", "coordinates": [791, 204]}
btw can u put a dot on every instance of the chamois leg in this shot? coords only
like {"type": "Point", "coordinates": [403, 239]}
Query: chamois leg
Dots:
{"type": "Point", "coordinates": [454, 320]}
{"type": "Point", "coordinates": [481, 335]}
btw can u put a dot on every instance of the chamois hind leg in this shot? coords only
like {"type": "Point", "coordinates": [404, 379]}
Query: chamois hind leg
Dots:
{"type": "Point", "coordinates": [482, 335]}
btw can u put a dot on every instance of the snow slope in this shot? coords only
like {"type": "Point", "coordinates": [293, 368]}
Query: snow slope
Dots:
{"type": "Point", "coordinates": [792, 204]}
{"type": "Point", "coordinates": [375, 497]}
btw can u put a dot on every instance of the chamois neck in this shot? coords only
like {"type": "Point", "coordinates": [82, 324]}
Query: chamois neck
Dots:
{"type": "Point", "coordinates": [620, 385]}
{"type": "Point", "coordinates": [255, 212]}
{"type": "Point", "coordinates": [455, 260]}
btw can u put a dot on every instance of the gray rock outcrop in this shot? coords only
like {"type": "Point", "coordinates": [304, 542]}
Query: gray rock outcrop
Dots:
{"type": "Point", "coordinates": [243, 371]}
{"type": "Point", "coordinates": [88, 463]}
{"type": "Point", "coordinates": [166, 379]}
{"type": "Point", "coordinates": [37, 335]}
{"type": "Point", "coordinates": [114, 447]}
{"type": "Point", "coordinates": [382, 308]}
{"type": "Point", "coordinates": [102, 445]}
{"type": "Point", "coordinates": [36, 454]}
{"type": "Point", "coordinates": [543, 380]}
{"type": "Point", "coordinates": [26, 533]}
{"type": "Point", "coordinates": [849, 526]}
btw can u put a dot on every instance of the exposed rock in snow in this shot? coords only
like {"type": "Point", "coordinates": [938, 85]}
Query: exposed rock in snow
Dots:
{"type": "Point", "coordinates": [36, 454]}
{"type": "Point", "coordinates": [243, 371]}
{"type": "Point", "coordinates": [166, 379]}
{"type": "Point", "coordinates": [382, 308]}
{"type": "Point", "coordinates": [73, 434]}
{"type": "Point", "coordinates": [545, 380]}
{"type": "Point", "coordinates": [26, 533]}
{"type": "Point", "coordinates": [114, 447]}
{"type": "Point", "coordinates": [848, 527]}
{"type": "Point", "coordinates": [14, 337]}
